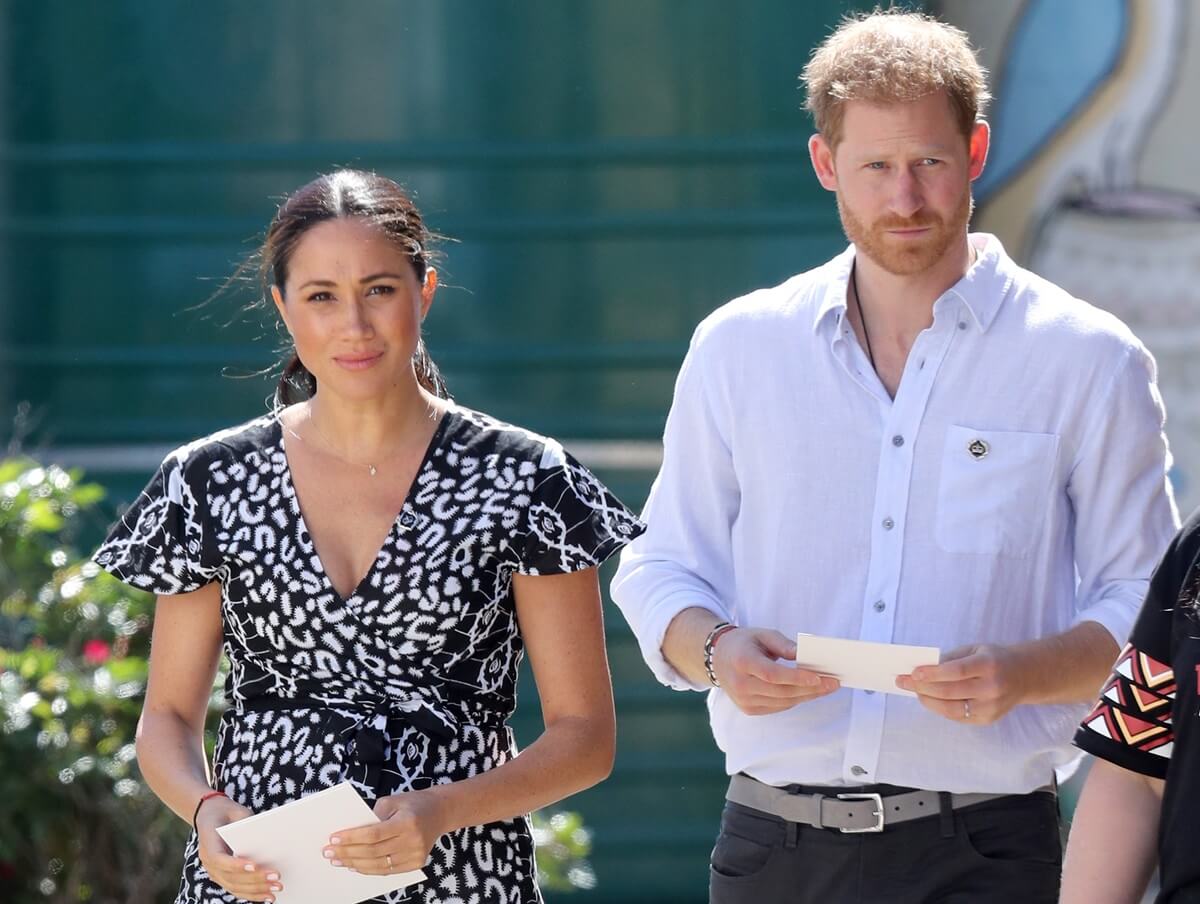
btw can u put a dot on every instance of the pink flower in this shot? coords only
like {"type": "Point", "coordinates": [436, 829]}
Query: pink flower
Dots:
{"type": "Point", "coordinates": [95, 652]}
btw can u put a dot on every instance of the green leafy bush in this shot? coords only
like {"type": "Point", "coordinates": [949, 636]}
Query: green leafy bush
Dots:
{"type": "Point", "coordinates": [77, 822]}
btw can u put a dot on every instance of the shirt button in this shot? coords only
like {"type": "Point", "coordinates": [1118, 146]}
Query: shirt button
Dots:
{"type": "Point", "coordinates": [880, 605]}
{"type": "Point", "coordinates": [962, 324]}
{"type": "Point", "coordinates": [897, 440]}
{"type": "Point", "coordinates": [888, 523]}
{"type": "Point", "coordinates": [857, 770]}
{"type": "Point", "coordinates": [408, 519]}
{"type": "Point", "coordinates": [869, 693]}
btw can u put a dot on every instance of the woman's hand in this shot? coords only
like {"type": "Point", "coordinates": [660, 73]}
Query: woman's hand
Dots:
{"type": "Point", "coordinates": [411, 823]}
{"type": "Point", "coordinates": [237, 875]}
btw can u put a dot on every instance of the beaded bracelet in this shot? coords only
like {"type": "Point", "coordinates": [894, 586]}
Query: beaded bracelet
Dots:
{"type": "Point", "coordinates": [710, 644]}
{"type": "Point", "coordinates": [200, 803]}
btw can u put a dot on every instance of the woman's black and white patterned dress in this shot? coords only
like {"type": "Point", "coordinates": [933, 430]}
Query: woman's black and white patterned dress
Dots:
{"type": "Point", "coordinates": [408, 682]}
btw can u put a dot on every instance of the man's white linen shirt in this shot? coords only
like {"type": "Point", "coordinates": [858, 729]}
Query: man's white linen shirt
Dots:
{"type": "Point", "coordinates": [795, 494]}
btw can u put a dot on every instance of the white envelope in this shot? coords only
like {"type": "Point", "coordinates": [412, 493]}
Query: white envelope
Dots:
{"type": "Point", "coordinates": [290, 839]}
{"type": "Point", "coordinates": [862, 663]}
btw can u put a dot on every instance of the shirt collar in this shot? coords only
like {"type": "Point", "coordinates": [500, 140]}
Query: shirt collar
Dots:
{"type": "Point", "coordinates": [981, 290]}
{"type": "Point", "coordinates": [985, 286]}
{"type": "Point", "coordinates": [835, 289]}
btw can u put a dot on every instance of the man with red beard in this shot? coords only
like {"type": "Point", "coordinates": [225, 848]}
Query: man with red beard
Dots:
{"type": "Point", "coordinates": [918, 442]}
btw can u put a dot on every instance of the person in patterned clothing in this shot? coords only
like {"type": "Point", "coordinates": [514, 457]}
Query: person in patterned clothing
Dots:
{"type": "Point", "coordinates": [374, 560]}
{"type": "Point", "coordinates": [1141, 799]}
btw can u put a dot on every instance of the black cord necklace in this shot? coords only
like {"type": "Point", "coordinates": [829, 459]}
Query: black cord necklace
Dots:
{"type": "Point", "coordinates": [862, 318]}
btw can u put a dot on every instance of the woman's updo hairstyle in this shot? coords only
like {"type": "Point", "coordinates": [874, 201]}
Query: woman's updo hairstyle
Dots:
{"type": "Point", "coordinates": [345, 193]}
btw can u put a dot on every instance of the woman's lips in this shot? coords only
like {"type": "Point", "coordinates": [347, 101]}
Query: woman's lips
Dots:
{"type": "Point", "coordinates": [358, 362]}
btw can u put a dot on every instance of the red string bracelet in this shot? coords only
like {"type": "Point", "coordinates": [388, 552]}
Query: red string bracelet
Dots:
{"type": "Point", "coordinates": [200, 803]}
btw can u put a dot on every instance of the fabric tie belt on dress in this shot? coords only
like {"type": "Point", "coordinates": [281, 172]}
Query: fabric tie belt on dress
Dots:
{"type": "Point", "coordinates": [371, 738]}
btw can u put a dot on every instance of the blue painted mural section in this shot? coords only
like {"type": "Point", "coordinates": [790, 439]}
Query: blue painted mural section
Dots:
{"type": "Point", "coordinates": [1060, 53]}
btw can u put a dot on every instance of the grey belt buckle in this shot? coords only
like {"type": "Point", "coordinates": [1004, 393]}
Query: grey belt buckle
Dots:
{"type": "Point", "coordinates": [878, 827]}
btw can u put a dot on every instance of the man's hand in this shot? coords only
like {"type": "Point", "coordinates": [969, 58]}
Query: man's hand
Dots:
{"type": "Point", "coordinates": [978, 684]}
{"type": "Point", "coordinates": [746, 664]}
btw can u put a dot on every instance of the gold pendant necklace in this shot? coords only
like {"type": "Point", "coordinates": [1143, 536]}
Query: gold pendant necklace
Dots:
{"type": "Point", "coordinates": [371, 469]}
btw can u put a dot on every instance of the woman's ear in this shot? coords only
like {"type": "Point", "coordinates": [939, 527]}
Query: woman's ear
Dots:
{"type": "Point", "coordinates": [277, 298]}
{"type": "Point", "coordinates": [428, 290]}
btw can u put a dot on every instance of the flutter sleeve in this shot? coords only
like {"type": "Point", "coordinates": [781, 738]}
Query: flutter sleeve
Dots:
{"type": "Point", "coordinates": [1132, 723]}
{"type": "Point", "coordinates": [163, 543]}
{"type": "Point", "coordinates": [573, 521]}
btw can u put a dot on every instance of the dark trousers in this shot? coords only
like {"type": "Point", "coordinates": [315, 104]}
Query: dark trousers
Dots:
{"type": "Point", "coordinates": [1007, 850]}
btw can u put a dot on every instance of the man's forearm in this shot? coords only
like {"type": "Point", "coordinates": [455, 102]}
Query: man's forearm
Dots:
{"type": "Point", "coordinates": [683, 644]}
{"type": "Point", "coordinates": [1070, 667]}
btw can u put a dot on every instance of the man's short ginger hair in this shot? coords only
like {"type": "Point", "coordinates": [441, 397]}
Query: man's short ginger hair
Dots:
{"type": "Point", "coordinates": [893, 57]}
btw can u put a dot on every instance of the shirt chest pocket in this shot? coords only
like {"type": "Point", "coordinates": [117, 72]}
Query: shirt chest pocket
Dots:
{"type": "Point", "coordinates": [993, 490]}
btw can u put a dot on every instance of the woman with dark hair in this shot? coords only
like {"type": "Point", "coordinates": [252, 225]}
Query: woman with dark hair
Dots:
{"type": "Point", "coordinates": [374, 560]}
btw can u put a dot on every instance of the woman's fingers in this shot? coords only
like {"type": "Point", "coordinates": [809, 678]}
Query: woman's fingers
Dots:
{"type": "Point", "coordinates": [384, 864]}
{"type": "Point", "coordinates": [243, 878]}
{"type": "Point", "coordinates": [240, 876]}
{"type": "Point", "coordinates": [373, 858]}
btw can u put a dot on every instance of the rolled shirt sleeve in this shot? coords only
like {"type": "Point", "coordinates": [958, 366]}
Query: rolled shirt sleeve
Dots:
{"type": "Point", "coordinates": [1125, 513]}
{"type": "Point", "coordinates": [685, 557]}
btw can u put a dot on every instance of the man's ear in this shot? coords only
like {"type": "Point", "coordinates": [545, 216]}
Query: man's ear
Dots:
{"type": "Point", "coordinates": [977, 149]}
{"type": "Point", "coordinates": [821, 154]}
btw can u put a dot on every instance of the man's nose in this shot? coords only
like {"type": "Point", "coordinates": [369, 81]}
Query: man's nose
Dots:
{"type": "Point", "coordinates": [906, 194]}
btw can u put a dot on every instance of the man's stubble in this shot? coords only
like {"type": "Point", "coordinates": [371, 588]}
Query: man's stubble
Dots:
{"type": "Point", "coordinates": [909, 258]}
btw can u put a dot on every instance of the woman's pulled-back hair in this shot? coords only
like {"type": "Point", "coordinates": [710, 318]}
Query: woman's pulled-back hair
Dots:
{"type": "Point", "coordinates": [893, 56]}
{"type": "Point", "coordinates": [377, 201]}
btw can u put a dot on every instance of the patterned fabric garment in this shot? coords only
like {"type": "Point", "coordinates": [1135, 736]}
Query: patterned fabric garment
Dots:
{"type": "Point", "coordinates": [409, 681]}
{"type": "Point", "coordinates": [1147, 719]}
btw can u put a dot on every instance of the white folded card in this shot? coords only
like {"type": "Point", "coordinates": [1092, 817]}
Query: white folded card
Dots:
{"type": "Point", "coordinates": [290, 840]}
{"type": "Point", "coordinates": [862, 663]}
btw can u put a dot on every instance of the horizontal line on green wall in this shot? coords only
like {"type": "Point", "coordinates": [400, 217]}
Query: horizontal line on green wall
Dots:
{"type": "Point", "coordinates": [706, 760]}
{"type": "Point", "coordinates": [84, 426]}
{"type": "Point", "coordinates": [461, 358]}
{"type": "Point", "coordinates": [122, 458]}
{"type": "Point", "coordinates": [648, 840]}
{"type": "Point", "coordinates": [623, 151]}
{"type": "Point", "coordinates": [509, 227]}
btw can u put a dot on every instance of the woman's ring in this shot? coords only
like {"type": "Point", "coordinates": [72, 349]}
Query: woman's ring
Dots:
{"type": "Point", "coordinates": [967, 709]}
{"type": "Point", "coordinates": [388, 858]}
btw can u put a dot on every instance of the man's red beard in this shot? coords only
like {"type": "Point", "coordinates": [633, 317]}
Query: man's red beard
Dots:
{"type": "Point", "coordinates": [906, 257]}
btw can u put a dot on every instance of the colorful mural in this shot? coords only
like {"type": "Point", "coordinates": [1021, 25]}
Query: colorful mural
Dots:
{"type": "Point", "coordinates": [1093, 179]}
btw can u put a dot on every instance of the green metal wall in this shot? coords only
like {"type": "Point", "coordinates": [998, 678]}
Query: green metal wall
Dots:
{"type": "Point", "coordinates": [611, 170]}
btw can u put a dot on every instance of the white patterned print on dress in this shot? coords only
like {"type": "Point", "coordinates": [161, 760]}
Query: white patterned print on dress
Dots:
{"type": "Point", "coordinates": [410, 680]}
